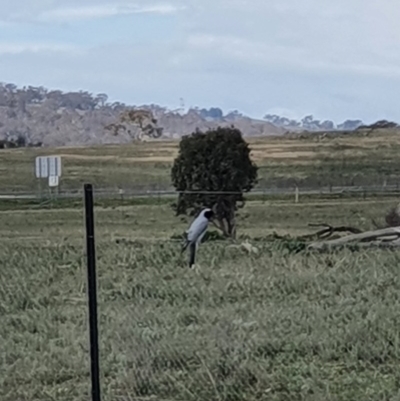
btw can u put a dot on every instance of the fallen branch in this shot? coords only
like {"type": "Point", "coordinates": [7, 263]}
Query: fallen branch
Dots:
{"type": "Point", "coordinates": [378, 244]}
{"type": "Point", "coordinates": [387, 234]}
{"type": "Point", "coordinates": [329, 230]}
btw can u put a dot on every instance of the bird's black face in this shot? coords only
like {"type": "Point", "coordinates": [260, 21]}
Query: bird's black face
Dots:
{"type": "Point", "coordinates": [208, 214]}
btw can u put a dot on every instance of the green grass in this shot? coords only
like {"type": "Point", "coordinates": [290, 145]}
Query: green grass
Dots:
{"type": "Point", "coordinates": [272, 325]}
{"type": "Point", "coordinates": [311, 162]}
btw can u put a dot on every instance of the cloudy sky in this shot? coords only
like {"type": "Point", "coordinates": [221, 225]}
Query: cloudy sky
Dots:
{"type": "Point", "coordinates": [334, 59]}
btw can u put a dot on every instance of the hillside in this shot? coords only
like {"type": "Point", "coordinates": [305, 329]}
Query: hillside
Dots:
{"type": "Point", "coordinates": [36, 116]}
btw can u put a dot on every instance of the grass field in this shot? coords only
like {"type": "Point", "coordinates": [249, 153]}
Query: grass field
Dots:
{"type": "Point", "coordinates": [312, 162]}
{"type": "Point", "coordinates": [272, 325]}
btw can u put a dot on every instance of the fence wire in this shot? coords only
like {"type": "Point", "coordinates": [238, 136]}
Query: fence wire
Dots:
{"type": "Point", "coordinates": [121, 193]}
{"type": "Point", "coordinates": [249, 322]}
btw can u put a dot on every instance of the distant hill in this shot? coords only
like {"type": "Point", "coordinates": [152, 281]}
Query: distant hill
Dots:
{"type": "Point", "coordinates": [36, 116]}
{"type": "Point", "coordinates": [309, 123]}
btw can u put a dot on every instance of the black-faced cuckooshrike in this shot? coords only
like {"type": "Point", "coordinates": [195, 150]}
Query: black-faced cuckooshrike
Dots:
{"type": "Point", "coordinates": [196, 232]}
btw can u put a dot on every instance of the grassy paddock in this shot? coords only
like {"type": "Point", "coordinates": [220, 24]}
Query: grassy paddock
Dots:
{"type": "Point", "coordinates": [275, 325]}
{"type": "Point", "coordinates": [311, 162]}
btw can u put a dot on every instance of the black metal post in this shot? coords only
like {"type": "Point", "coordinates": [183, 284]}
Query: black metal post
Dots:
{"type": "Point", "coordinates": [92, 293]}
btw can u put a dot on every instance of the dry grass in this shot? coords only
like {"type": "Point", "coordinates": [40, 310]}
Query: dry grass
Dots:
{"type": "Point", "coordinates": [343, 160]}
{"type": "Point", "coordinates": [276, 325]}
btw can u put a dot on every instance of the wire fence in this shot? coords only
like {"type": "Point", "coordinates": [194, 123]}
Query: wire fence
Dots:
{"type": "Point", "coordinates": [217, 332]}
{"type": "Point", "coordinates": [127, 193]}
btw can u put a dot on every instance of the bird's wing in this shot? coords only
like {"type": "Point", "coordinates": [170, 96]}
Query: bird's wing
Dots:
{"type": "Point", "coordinates": [192, 254]}
{"type": "Point", "coordinates": [184, 246]}
{"type": "Point", "coordinates": [198, 228]}
{"type": "Point", "coordinates": [201, 236]}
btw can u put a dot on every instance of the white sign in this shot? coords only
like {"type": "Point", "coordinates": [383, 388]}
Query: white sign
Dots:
{"type": "Point", "coordinates": [46, 166]}
{"type": "Point", "coordinates": [53, 181]}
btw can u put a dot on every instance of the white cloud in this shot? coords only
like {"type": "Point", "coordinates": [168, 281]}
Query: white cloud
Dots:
{"type": "Point", "coordinates": [20, 11]}
{"type": "Point", "coordinates": [18, 48]}
{"type": "Point", "coordinates": [104, 10]}
{"type": "Point", "coordinates": [253, 53]}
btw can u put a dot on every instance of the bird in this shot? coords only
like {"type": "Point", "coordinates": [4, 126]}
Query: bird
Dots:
{"type": "Point", "coordinates": [195, 233]}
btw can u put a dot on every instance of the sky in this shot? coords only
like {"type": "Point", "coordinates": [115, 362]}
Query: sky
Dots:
{"type": "Point", "coordinates": [335, 60]}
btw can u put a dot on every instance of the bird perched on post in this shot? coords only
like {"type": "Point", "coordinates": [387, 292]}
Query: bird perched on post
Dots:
{"type": "Point", "coordinates": [196, 232]}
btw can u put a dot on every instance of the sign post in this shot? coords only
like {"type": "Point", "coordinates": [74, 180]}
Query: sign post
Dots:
{"type": "Point", "coordinates": [92, 293]}
{"type": "Point", "coordinates": [48, 167]}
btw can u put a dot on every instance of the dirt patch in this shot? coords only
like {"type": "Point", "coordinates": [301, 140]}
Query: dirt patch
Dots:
{"type": "Point", "coordinates": [167, 159]}
{"type": "Point", "coordinates": [87, 157]}
{"type": "Point", "coordinates": [283, 154]}
{"type": "Point", "coordinates": [289, 145]}
{"type": "Point", "coordinates": [135, 159]}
